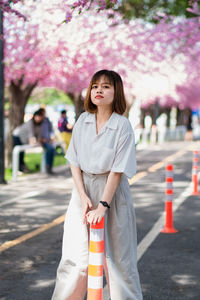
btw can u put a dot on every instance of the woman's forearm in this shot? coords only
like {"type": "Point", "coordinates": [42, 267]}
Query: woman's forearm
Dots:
{"type": "Point", "coordinates": [78, 180]}
{"type": "Point", "coordinates": [111, 186]}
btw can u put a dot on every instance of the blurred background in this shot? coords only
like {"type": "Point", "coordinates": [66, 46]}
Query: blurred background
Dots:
{"type": "Point", "coordinates": [50, 50]}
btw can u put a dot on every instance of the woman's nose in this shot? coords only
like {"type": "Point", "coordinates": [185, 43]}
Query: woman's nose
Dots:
{"type": "Point", "coordinates": [99, 89]}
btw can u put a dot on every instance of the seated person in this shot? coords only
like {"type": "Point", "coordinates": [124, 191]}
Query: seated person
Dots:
{"type": "Point", "coordinates": [27, 133]}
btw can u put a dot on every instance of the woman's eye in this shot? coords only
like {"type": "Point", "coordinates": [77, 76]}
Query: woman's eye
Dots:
{"type": "Point", "coordinates": [106, 86]}
{"type": "Point", "coordinates": [94, 86]}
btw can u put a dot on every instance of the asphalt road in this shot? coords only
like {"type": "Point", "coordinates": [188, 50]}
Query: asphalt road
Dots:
{"type": "Point", "coordinates": [170, 265]}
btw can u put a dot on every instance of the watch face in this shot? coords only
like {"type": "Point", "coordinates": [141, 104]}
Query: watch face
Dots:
{"type": "Point", "coordinates": [105, 204]}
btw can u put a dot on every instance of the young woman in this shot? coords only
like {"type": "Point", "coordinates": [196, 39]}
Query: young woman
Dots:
{"type": "Point", "coordinates": [101, 155]}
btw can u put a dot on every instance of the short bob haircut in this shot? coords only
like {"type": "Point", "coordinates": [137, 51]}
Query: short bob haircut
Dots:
{"type": "Point", "coordinates": [119, 102]}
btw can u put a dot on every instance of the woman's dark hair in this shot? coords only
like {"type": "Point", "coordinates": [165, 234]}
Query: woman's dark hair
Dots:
{"type": "Point", "coordinates": [119, 102]}
{"type": "Point", "coordinates": [41, 110]}
{"type": "Point", "coordinates": [38, 113]}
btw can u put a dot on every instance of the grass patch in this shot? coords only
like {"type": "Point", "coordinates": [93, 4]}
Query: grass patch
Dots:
{"type": "Point", "coordinates": [8, 174]}
{"type": "Point", "coordinates": [33, 160]}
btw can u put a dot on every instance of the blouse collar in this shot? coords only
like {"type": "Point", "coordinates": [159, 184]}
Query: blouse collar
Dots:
{"type": "Point", "coordinates": [111, 123]}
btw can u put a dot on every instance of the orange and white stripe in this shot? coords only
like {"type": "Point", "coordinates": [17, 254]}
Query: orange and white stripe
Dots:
{"type": "Point", "coordinates": [95, 267]}
{"type": "Point", "coordinates": [169, 227]}
{"type": "Point", "coordinates": [195, 172]}
{"type": "Point", "coordinates": [195, 162]}
{"type": "Point", "coordinates": [169, 178]}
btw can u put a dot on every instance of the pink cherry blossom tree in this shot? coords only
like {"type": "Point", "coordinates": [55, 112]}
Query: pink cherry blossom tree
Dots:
{"type": "Point", "coordinates": [66, 55]}
{"type": "Point", "coordinates": [25, 65]}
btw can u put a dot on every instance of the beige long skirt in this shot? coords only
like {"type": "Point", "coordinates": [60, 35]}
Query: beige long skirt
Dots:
{"type": "Point", "coordinates": [120, 245]}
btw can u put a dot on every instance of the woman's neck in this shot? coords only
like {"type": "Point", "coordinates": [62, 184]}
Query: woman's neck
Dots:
{"type": "Point", "coordinates": [103, 114]}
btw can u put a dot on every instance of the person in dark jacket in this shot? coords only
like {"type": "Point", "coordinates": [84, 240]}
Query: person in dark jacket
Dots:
{"type": "Point", "coordinates": [46, 140]}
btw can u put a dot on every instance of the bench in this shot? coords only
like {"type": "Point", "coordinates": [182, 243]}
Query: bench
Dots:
{"type": "Point", "coordinates": [15, 158]}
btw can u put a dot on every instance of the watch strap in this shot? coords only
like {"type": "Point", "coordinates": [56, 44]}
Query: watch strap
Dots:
{"type": "Point", "coordinates": [104, 203]}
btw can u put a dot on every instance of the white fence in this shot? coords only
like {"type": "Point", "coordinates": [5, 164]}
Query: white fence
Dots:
{"type": "Point", "coordinates": [159, 134]}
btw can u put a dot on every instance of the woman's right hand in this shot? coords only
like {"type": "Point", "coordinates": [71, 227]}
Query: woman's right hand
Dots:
{"type": "Point", "coordinates": [86, 206]}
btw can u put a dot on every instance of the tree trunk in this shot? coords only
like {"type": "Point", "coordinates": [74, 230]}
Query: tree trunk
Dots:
{"type": "Point", "coordinates": [155, 112]}
{"type": "Point", "coordinates": [129, 102]}
{"type": "Point", "coordinates": [168, 111]}
{"type": "Point", "coordinates": [142, 116]}
{"type": "Point", "coordinates": [18, 98]}
{"type": "Point", "coordinates": [180, 117]}
{"type": "Point", "coordinates": [78, 103]}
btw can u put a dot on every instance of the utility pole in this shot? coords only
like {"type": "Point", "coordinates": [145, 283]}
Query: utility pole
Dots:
{"type": "Point", "coordinates": [2, 167]}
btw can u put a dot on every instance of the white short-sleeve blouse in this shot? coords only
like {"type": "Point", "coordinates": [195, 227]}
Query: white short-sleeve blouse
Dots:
{"type": "Point", "coordinates": [112, 149]}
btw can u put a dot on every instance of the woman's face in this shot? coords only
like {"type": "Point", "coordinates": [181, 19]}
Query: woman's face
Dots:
{"type": "Point", "coordinates": [102, 92]}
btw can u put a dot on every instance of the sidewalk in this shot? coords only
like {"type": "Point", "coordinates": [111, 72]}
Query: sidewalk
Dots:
{"type": "Point", "coordinates": [29, 182]}
{"type": "Point", "coordinates": [33, 200]}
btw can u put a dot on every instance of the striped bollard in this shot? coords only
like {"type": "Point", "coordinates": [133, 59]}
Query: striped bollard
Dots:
{"type": "Point", "coordinates": [195, 173]}
{"type": "Point", "coordinates": [95, 267]}
{"type": "Point", "coordinates": [169, 227]}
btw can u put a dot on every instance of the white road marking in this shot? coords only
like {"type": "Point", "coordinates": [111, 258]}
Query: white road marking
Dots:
{"type": "Point", "coordinates": [154, 232]}
{"type": "Point", "coordinates": [23, 196]}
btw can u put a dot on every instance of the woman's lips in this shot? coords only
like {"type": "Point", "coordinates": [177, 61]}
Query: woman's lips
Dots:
{"type": "Point", "coordinates": [98, 97]}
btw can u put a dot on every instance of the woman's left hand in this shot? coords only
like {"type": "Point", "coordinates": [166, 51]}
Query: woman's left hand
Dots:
{"type": "Point", "coordinates": [95, 216]}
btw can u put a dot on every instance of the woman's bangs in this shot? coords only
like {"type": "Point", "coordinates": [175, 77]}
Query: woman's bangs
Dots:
{"type": "Point", "coordinates": [108, 78]}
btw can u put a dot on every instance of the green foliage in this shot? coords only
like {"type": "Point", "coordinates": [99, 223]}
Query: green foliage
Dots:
{"type": "Point", "coordinates": [49, 96]}
{"type": "Point", "coordinates": [8, 174]}
{"type": "Point", "coordinates": [6, 105]}
{"type": "Point", "coordinates": [147, 9]}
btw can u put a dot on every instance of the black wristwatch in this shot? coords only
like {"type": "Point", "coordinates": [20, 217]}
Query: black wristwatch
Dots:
{"type": "Point", "coordinates": [104, 203]}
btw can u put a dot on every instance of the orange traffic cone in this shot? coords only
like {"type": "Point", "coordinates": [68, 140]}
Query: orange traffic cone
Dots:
{"type": "Point", "coordinates": [195, 173]}
{"type": "Point", "coordinates": [95, 267]}
{"type": "Point", "coordinates": [169, 227]}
